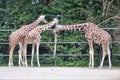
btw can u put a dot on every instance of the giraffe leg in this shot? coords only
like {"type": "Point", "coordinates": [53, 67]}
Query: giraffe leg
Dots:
{"type": "Point", "coordinates": [104, 49]}
{"type": "Point", "coordinates": [24, 54]}
{"type": "Point", "coordinates": [33, 49]}
{"type": "Point", "coordinates": [26, 58]}
{"type": "Point", "coordinates": [103, 57]}
{"type": "Point", "coordinates": [37, 50]}
{"type": "Point", "coordinates": [20, 55]}
{"type": "Point", "coordinates": [11, 54]}
{"type": "Point", "coordinates": [91, 53]}
{"type": "Point", "coordinates": [91, 62]}
{"type": "Point", "coordinates": [90, 58]}
{"type": "Point", "coordinates": [11, 57]}
{"type": "Point", "coordinates": [109, 57]}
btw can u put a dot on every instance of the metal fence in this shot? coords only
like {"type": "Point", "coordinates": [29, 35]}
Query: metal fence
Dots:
{"type": "Point", "coordinates": [55, 43]}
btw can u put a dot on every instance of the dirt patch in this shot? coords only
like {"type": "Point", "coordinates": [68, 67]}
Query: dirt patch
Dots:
{"type": "Point", "coordinates": [61, 73]}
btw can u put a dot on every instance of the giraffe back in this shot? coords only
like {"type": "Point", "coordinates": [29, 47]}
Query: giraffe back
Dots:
{"type": "Point", "coordinates": [17, 36]}
{"type": "Point", "coordinates": [98, 35]}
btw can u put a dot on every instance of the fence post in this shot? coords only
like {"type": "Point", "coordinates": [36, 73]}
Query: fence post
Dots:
{"type": "Point", "coordinates": [111, 56]}
{"type": "Point", "coordinates": [55, 44]}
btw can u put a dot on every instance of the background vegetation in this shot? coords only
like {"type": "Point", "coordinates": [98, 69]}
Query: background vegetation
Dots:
{"type": "Point", "coordinates": [105, 13]}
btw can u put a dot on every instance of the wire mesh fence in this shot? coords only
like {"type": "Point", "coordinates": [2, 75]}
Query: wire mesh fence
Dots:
{"type": "Point", "coordinates": [54, 57]}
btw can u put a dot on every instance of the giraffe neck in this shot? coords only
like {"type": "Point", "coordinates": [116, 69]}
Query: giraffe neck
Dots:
{"type": "Point", "coordinates": [46, 26]}
{"type": "Point", "coordinates": [33, 25]}
{"type": "Point", "coordinates": [83, 27]}
{"type": "Point", "coordinates": [49, 25]}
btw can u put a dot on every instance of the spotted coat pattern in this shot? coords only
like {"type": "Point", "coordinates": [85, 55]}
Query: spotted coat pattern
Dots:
{"type": "Point", "coordinates": [33, 37]}
{"type": "Point", "coordinates": [17, 36]}
{"type": "Point", "coordinates": [93, 34]}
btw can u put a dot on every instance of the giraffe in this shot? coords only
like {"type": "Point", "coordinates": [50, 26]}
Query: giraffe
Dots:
{"type": "Point", "coordinates": [17, 36]}
{"type": "Point", "coordinates": [93, 34]}
{"type": "Point", "coordinates": [34, 37]}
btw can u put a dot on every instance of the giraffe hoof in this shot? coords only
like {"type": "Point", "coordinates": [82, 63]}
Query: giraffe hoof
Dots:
{"type": "Point", "coordinates": [10, 66]}
{"type": "Point", "coordinates": [92, 67]}
{"type": "Point", "coordinates": [110, 67]}
{"type": "Point", "coordinates": [19, 65]}
{"type": "Point", "coordinates": [89, 66]}
{"type": "Point", "coordinates": [31, 65]}
{"type": "Point", "coordinates": [100, 67]}
{"type": "Point", "coordinates": [26, 65]}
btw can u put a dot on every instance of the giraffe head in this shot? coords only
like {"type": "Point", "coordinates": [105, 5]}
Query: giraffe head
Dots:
{"type": "Point", "coordinates": [55, 20]}
{"type": "Point", "coordinates": [42, 19]}
{"type": "Point", "coordinates": [57, 29]}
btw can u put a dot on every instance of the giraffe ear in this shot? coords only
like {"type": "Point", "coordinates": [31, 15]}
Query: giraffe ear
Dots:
{"type": "Point", "coordinates": [55, 19]}
{"type": "Point", "coordinates": [57, 16]}
{"type": "Point", "coordinates": [42, 16]}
